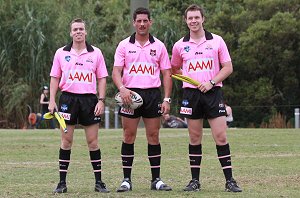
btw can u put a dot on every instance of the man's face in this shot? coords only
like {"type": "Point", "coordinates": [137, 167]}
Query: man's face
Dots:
{"type": "Point", "coordinates": [142, 24]}
{"type": "Point", "coordinates": [78, 32]}
{"type": "Point", "coordinates": [194, 20]}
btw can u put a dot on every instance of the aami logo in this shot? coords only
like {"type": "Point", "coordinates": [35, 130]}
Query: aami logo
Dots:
{"type": "Point", "coordinates": [80, 76]}
{"type": "Point", "coordinates": [141, 69]}
{"type": "Point", "coordinates": [127, 111]}
{"type": "Point", "coordinates": [66, 116]}
{"type": "Point", "coordinates": [205, 64]}
{"type": "Point", "coordinates": [185, 110]}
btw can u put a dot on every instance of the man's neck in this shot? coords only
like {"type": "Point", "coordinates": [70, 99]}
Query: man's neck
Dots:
{"type": "Point", "coordinates": [141, 39]}
{"type": "Point", "coordinates": [197, 36]}
{"type": "Point", "coordinates": [79, 46]}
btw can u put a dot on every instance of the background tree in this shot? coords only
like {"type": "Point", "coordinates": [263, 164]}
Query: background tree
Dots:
{"type": "Point", "coordinates": [262, 36]}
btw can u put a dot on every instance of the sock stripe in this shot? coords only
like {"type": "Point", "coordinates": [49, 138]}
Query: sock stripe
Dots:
{"type": "Point", "coordinates": [155, 166]}
{"type": "Point", "coordinates": [96, 160]}
{"type": "Point", "coordinates": [220, 157]}
{"type": "Point", "coordinates": [127, 155]}
{"type": "Point", "coordinates": [226, 167]}
{"type": "Point", "coordinates": [195, 155]}
{"type": "Point", "coordinates": [61, 160]}
{"type": "Point", "coordinates": [152, 156]}
{"type": "Point", "coordinates": [127, 167]}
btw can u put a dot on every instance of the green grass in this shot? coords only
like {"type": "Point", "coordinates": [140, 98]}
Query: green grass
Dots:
{"type": "Point", "coordinates": [266, 164]}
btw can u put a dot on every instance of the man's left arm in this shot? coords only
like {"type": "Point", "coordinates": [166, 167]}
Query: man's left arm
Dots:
{"type": "Point", "coordinates": [167, 83]}
{"type": "Point", "coordinates": [99, 109]}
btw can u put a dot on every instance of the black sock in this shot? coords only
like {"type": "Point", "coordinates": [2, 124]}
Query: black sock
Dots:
{"type": "Point", "coordinates": [195, 155]}
{"type": "Point", "coordinates": [95, 157]}
{"type": "Point", "coordinates": [64, 161]}
{"type": "Point", "coordinates": [127, 154]}
{"type": "Point", "coordinates": [225, 160]}
{"type": "Point", "coordinates": [154, 155]}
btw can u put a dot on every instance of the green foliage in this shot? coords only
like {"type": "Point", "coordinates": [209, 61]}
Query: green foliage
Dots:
{"type": "Point", "coordinates": [262, 36]}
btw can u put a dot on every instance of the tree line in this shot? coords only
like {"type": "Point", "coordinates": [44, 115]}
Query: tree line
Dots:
{"type": "Point", "coordinates": [262, 37]}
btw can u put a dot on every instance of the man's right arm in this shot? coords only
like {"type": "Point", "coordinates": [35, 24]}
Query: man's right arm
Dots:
{"type": "Point", "coordinates": [54, 82]}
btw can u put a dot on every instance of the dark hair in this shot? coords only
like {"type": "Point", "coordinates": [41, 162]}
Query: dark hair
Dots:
{"type": "Point", "coordinates": [77, 20]}
{"type": "Point", "coordinates": [141, 10]}
{"type": "Point", "coordinates": [194, 7]}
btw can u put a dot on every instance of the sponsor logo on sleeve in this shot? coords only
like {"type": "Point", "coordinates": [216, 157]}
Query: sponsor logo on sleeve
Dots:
{"type": "Point", "coordinates": [186, 110]}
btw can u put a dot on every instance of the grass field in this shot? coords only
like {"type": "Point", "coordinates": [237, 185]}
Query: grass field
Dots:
{"type": "Point", "coordinates": [266, 164]}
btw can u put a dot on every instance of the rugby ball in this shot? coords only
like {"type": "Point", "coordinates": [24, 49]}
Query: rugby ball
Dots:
{"type": "Point", "coordinates": [137, 101]}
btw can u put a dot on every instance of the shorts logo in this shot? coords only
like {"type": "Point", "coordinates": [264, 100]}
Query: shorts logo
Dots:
{"type": "Point", "coordinates": [97, 118]}
{"type": "Point", "coordinates": [64, 107]}
{"type": "Point", "coordinates": [221, 105]}
{"type": "Point", "coordinates": [185, 110]}
{"type": "Point", "coordinates": [66, 116]}
{"type": "Point", "coordinates": [68, 58]}
{"type": "Point", "coordinates": [127, 111]}
{"type": "Point", "coordinates": [152, 52]}
{"type": "Point", "coordinates": [187, 48]}
{"type": "Point", "coordinates": [221, 111]}
{"type": "Point", "coordinates": [185, 103]}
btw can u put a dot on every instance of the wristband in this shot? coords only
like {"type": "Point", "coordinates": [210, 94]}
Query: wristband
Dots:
{"type": "Point", "coordinates": [102, 100]}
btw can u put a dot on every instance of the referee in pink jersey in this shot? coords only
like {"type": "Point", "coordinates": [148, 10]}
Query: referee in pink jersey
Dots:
{"type": "Point", "coordinates": [79, 71]}
{"type": "Point", "coordinates": [139, 61]}
{"type": "Point", "coordinates": [204, 57]}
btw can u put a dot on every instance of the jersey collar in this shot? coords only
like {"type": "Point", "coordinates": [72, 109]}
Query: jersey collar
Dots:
{"type": "Point", "coordinates": [208, 36]}
{"type": "Point", "coordinates": [68, 47]}
{"type": "Point", "coordinates": [132, 38]}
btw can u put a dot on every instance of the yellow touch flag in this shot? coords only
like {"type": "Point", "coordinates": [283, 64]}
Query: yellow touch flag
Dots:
{"type": "Point", "coordinates": [59, 118]}
{"type": "Point", "coordinates": [185, 79]}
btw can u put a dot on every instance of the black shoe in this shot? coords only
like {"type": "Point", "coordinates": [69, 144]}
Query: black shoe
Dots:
{"type": "Point", "coordinates": [125, 186]}
{"type": "Point", "coordinates": [157, 184]}
{"type": "Point", "coordinates": [194, 185]}
{"type": "Point", "coordinates": [231, 186]}
{"type": "Point", "coordinates": [61, 188]}
{"type": "Point", "coordinates": [101, 187]}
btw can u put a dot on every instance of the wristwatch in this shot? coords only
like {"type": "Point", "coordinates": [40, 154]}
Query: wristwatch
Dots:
{"type": "Point", "coordinates": [168, 100]}
{"type": "Point", "coordinates": [212, 82]}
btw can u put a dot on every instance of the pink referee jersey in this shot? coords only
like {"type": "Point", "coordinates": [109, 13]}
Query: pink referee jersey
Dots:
{"type": "Point", "coordinates": [142, 64]}
{"type": "Point", "coordinates": [78, 72]}
{"type": "Point", "coordinates": [200, 61]}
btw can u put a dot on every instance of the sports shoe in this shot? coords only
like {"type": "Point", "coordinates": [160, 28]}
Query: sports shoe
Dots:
{"type": "Point", "coordinates": [61, 188]}
{"type": "Point", "coordinates": [125, 186]}
{"type": "Point", "coordinates": [101, 187]}
{"type": "Point", "coordinates": [231, 186]}
{"type": "Point", "coordinates": [157, 184]}
{"type": "Point", "coordinates": [194, 185]}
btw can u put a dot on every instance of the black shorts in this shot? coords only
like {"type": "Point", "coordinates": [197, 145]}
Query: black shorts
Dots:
{"type": "Point", "coordinates": [78, 108]}
{"type": "Point", "coordinates": [151, 104]}
{"type": "Point", "coordinates": [198, 105]}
